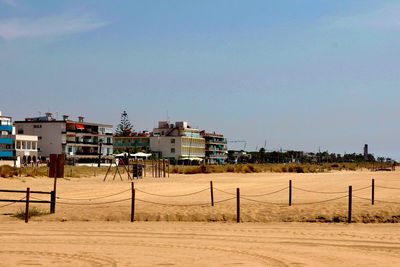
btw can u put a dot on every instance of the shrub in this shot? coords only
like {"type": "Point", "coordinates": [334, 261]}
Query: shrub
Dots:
{"type": "Point", "coordinates": [7, 171]}
{"type": "Point", "coordinates": [299, 169]}
{"type": "Point", "coordinates": [33, 211]}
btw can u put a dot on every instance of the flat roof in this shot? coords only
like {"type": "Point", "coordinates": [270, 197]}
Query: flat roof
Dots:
{"type": "Point", "coordinates": [68, 121]}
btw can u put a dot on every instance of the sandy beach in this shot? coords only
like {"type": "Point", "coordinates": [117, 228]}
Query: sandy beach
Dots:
{"type": "Point", "coordinates": [198, 244]}
{"type": "Point", "coordinates": [176, 225]}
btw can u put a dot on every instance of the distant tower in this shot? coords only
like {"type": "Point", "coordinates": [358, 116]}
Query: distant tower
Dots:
{"type": "Point", "coordinates": [366, 152]}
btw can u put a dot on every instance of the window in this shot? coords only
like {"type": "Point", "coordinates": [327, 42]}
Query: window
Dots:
{"type": "Point", "coordinates": [20, 131]}
{"type": "Point", "coordinates": [39, 138]}
{"type": "Point", "coordinates": [172, 150]}
{"type": "Point", "coordinates": [173, 141]}
{"type": "Point", "coordinates": [37, 126]}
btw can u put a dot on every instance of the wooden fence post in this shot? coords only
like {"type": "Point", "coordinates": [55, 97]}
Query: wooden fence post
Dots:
{"type": "Point", "coordinates": [212, 193]}
{"type": "Point", "coordinates": [27, 205]}
{"type": "Point", "coordinates": [290, 192]}
{"type": "Point", "coordinates": [53, 202]}
{"type": "Point", "coordinates": [373, 192]}
{"type": "Point", "coordinates": [133, 203]}
{"type": "Point", "coordinates": [237, 205]}
{"type": "Point", "coordinates": [350, 200]}
{"type": "Point", "coordinates": [163, 163]}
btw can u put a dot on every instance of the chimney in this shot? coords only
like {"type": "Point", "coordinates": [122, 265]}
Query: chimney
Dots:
{"type": "Point", "coordinates": [65, 117]}
{"type": "Point", "coordinates": [81, 118]}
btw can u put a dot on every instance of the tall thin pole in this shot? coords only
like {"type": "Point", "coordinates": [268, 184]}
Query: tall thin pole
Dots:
{"type": "Point", "coordinates": [350, 204]}
{"type": "Point", "coordinates": [373, 192]}
{"type": "Point", "coordinates": [212, 193]}
{"type": "Point", "coordinates": [237, 205]}
{"type": "Point", "coordinates": [290, 192]}
{"type": "Point", "coordinates": [27, 205]}
{"type": "Point", "coordinates": [133, 203]}
{"type": "Point", "coordinates": [163, 163]}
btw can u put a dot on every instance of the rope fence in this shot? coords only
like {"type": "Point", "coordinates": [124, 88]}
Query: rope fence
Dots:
{"type": "Point", "coordinates": [246, 197]}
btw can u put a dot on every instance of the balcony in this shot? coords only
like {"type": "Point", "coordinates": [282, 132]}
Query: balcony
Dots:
{"type": "Point", "coordinates": [193, 145]}
{"type": "Point", "coordinates": [138, 144]}
{"type": "Point", "coordinates": [217, 156]}
{"type": "Point", "coordinates": [216, 142]}
{"type": "Point", "coordinates": [7, 141]}
{"type": "Point", "coordinates": [7, 128]}
{"type": "Point", "coordinates": [80, 132]}
{"type": "Point", "coordinates": [6, 154]}
{"type": "Point", "coordinates": [82, 153]}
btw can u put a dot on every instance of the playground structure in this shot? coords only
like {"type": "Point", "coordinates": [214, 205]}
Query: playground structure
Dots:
{"type": "Point", "coordinates": [138, 168]}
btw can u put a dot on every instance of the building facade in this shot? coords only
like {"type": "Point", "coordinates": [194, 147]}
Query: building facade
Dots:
{"type": "Point", "coordinates": [134, 142]}
{"type": "Point", "coordinates": [16, 149]}
{"type": "Point", "coordinates": [76, 139]}
{"type": "Point", "coordinates": [216, 150]}
{"type": "Point", "coordinates": [7, 152]}
{"type": "Point", "coordinates": [178, 141]}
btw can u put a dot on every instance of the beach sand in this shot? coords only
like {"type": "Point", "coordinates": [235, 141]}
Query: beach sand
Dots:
{"type": "Point", "coordinates": [270, 234]}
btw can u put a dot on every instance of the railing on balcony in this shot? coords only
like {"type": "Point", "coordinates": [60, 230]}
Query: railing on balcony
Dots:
{"type": "Point", "coordinates": [193, 154]}
{"type": "Point", "coordinates": [7, 141]}
{"type": "Point", "coordinates": [193, 145]}
{"type": "Point", "coordinates": [7, 128]}
{"type": "Point", "coordinates": [86, 153]}
{"type": "Point", "coordinates": [9, 153]}
{"type": "Point", "coordinates": [216, 142]}
{"type": "Point", "coordinates": [217, 156]}
{"type": "Point", "coordinates": [80, 131]}
{"type": "Point", "coordinates": [131, 144]}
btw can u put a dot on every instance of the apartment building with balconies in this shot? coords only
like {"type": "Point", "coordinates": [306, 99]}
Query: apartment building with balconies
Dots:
{"type": "Point", "coordinates": [6, 138]}
{"type": "Point", "coordinates": [132, 142]}
{"type": "Point", "coordinates": [216, 150]}
{"type": "Point", "coordinates": [79, 140]}
{"type": "Point", "coordinates": [179, 141]}
{"type": "Point", "coordinates": [16, 149]}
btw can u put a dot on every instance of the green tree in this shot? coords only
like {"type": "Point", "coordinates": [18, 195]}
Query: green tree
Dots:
{"type": "Point", "coordinates": [125, 127]}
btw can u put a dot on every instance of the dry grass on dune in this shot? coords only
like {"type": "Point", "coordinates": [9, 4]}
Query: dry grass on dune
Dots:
{"type": "Point", "coordinates": [279, 168]}
{"type": "Point", "coordinates": [88, 171]}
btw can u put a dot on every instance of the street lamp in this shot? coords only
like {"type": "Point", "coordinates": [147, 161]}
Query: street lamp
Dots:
{"type": "Point", "coordinates": [100, 145]}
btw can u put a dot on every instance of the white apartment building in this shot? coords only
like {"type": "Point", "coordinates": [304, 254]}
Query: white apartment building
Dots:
{"type": "Point", "coordinates": [179, 141]}
{"type": "Point", "coordinates": [75, 139]}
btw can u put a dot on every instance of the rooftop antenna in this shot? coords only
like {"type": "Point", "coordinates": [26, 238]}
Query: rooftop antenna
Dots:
{"type": "Point", "coordinates": [168, 116]}
{"type": "Point", "coordinates": [265, 143]}
{"type": "Point", "coordinates": [40, 113]}
{"type": "Point", "coordinates": [56, 115]}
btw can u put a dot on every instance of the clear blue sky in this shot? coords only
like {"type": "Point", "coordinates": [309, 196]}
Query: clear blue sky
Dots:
{"type": "Point", "coordinates": [299, 74]}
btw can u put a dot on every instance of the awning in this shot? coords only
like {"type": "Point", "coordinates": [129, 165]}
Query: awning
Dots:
{"type": "Point", "coordinates": [141, 154]}
{"type": "Point", "coordinates": [198, 159]}
{"type": "Point", "coordinates": [79, 126]}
